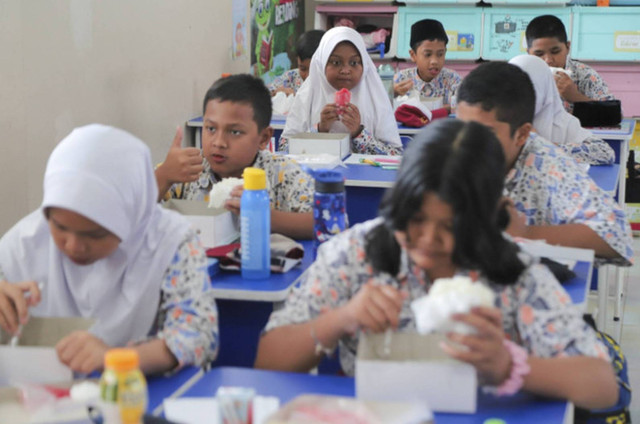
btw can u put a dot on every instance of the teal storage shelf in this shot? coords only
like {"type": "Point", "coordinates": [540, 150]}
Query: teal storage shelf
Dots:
{"type": "Point", "coordinates": [463, 26]}
{"type": "Point", "coordinates": [440, 2]}
{"type": "Point", "coordinates": [504, 29]}
{"type": "Point", "coordinates": [528, 2]}
{"type": "Point", "coordinates": [606, 33]}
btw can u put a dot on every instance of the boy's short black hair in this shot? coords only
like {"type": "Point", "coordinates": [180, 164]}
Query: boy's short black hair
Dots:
{"type": "Point", "coordinates": [308, 43]}
{"type": "Point", "coordinates": [243, 88]}
{"type": "Point", "coordinates": [502, 87]}
{"type": "Point", "coordinates": [545, 26]}
{"type": "Point", "coordinates": [427, 29]}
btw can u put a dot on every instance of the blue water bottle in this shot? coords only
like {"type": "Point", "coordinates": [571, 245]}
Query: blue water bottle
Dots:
{"type": "Point", "coordinates": [329, 206]}
{"type": "Point", "coordinates": [255, 225]}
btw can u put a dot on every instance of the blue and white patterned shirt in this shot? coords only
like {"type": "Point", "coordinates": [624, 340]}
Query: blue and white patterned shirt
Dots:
{"type": "Point", "coordinates": [551, 188]}
{"type": "Point", "coordinates": [537, 312]}
{"type": "Point", "coordinates": [444, 85]}
{"type": "Point", "coordinates": [588, 81]}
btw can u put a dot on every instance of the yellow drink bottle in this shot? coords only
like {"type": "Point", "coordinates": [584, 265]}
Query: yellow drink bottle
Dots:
{"type": "Point", "coordinates": [123, 388]}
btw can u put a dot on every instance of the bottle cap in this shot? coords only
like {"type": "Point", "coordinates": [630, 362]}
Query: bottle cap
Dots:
{"type": "Point", "coordinates": [225, 74]}
{"type": "Point", "coordinates": [254, 179]}
{"type": "Point", "coordinates": [329, 181]}
{"type": "Point", "coordinates": [121, 359]}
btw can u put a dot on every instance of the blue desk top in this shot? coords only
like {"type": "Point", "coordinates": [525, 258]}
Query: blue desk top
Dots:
{"type": "Point", "coordinates": [161, 387]}
{"type": "Point", "coordinates": [606, 176]}
{"type": "Point", "coordinates": [231, 285]}
{"type": "Point", "coordinates": [522, 408]}
{"type": "Point", "coordinates": [578, 286]}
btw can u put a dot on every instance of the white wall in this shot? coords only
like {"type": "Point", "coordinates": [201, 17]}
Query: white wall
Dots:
{"type": "Point", "coordinates": [141, 65]}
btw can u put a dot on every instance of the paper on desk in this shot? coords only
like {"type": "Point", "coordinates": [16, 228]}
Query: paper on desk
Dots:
{"type": "Point", "coordinates": [205, 410]}
{"type": "Point", "coordinates": [31, 364]}
{"type": "Point", "coordinates": [354, 158]}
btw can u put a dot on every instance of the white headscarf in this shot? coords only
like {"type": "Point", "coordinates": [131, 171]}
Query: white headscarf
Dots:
{"type": "Point", "coordinates": [104, 174]}
{"type": "Point", "coordinates": [551, 120]}
{"type": "Point", "coordinates": [368, 95]}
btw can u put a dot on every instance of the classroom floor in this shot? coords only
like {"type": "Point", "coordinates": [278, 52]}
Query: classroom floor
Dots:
{"type": "Point", "coordinates": [630, 338]}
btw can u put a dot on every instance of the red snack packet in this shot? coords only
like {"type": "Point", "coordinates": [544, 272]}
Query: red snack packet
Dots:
{"type": "Point", "coordinates": [342, 97]}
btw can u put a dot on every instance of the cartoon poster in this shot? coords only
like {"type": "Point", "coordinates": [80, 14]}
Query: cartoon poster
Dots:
{"type": "Point", "coordinates": [239, 28]}
{"type": "Point", "coordinates": [275, 27]}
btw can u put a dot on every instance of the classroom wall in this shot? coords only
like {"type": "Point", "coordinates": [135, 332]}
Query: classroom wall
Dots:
{"type": "Point", "coordinates": [142, 65]}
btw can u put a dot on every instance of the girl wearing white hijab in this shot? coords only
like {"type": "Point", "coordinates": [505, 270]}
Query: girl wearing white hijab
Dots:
{"type": "Point", "coordinates": [101, 247]}
{"type": "Point", "coordinates": [342, 61]}
{"type": "Point", "coordinates": [554, 123]}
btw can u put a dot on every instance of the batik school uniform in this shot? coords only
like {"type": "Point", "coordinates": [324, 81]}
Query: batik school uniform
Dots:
{"type": "Point", "coordinates": [551, 188]}
{"type": "Point", "coordinates": [537, 313]}
{"type": "Point", "coordinates": [154, 285]}
{"type": "Point", "coordinates": [554, 123]}
{"type": "Point", "coordinates": [290, 188]}
{"type": "Point", "coordinates": [378, 131]}
{"type": "Point", "coordinates": [588, 82]}
{"type": "Point", "coordinates": [290, 79]}
{"type": "Point", "coordinates": [444, 85]}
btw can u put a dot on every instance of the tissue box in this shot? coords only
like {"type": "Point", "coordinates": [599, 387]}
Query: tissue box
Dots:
{"type": "Point", "coordinates": [336, 144]}
{"type": "Point", "coordinates": [416, 369]}
{"type": "Point", "coordinates": [35, 360]}
{"type": "Point", "coordinates": [215, 228]}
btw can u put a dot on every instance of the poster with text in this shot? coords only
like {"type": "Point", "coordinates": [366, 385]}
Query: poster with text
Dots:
{"type": "Point", "coordinates": [239, 28]}
{"type": "Point", "coordinates": [275, 28]}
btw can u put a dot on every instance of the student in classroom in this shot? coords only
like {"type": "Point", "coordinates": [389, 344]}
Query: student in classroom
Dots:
{"type": "Point", "coordinates": [441, 219]}
{"type": "Point", "coordinates": [342, 62]}
{"type": "Point", "coordinates": [553, 197]}
{"type": "Point", "coordinates": [547, 38]}
{"type": "Point", "coordinates": [290, 81]}
{"type": "Point", "coordinates": [101, 247]}
{"type": "Point", "coordinates": [235, 135]}
{"type": "Point", "coordinates": [430, 78]}
{"type": "Point", "coordinates": [554, 123]}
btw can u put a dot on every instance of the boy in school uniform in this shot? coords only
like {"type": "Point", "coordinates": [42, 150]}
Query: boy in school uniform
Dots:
{"type": "Point", "coordinates": [552, 196]}
{"type": "Point", "coordinates": [430, 78]}
{"type": "Point", "coordinates": [290, 81]}
{"type": "Point", "coordinates": [547, 39]}
{"type": "Point", "coordinates": [235, 135]}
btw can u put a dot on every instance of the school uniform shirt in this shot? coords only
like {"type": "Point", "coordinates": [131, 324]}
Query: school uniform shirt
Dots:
{"type": "Point", "coordinates": [153, 284]}
{"type": "Point", "coordinates": [444, 85]}
{"type": "Point", "coordinates": [289, 79]}
{"type": "Point", "coordinates": [537, 312]}
{"type": "Point", "coordinates": [550, 188]}
{"type": "Point", "coordinates": [187, 318]}
{"type": "Point", "coordinates": [290, 188]}
{"type": "Point", "coordinates": [588, 82]}
{"type": "Point", "coordinates": [554, 123]}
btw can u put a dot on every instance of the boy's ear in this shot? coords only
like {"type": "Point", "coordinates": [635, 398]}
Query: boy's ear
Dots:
{"type": "Point", "coordinates": [568, 44]}
{"type": "Point", "coordinates": [412, 54]}
{"type": "Point", "coordinates": [522, 134]}
{"type": "Point", "coordinates": [265, 137]}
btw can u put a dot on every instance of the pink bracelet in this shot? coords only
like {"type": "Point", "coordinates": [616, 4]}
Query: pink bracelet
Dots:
{"type": "Point", "coordinates": [519, 368]}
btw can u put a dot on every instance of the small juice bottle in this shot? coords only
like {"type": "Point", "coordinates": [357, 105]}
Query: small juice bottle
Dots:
{"type": "Point", "coordinates": [123, 388]}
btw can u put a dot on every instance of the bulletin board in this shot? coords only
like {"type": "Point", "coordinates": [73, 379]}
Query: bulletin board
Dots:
{"type": "Point", "coordinates": [504, 29]}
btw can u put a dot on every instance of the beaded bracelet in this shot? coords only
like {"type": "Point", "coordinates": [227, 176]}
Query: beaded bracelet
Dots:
{"type": "Point", "coordinates": [519, 368]}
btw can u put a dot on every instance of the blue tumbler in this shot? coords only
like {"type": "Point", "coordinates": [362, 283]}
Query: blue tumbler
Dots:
{"type": "Point", "coordinates": [329, 206]}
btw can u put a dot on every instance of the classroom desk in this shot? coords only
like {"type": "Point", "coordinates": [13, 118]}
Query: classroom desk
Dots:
{"type": "Point", "coordinates": [365, 186]}
{"type": "Point", "coordinates": [521, 408]}
{"type": "Point", "coordinates": [244, 306]}
{"type": "Point", "coordinates": [161, 387]}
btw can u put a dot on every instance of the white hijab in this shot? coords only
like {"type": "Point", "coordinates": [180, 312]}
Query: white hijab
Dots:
{"type": "Point", "coordinates": [104, 174]}
{"type": "Point", "coordinates": [551, 120]}
{"type": "Point", "coordinates": [368, 95]}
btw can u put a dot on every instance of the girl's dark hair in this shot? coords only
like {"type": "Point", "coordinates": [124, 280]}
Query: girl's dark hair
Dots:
{"type": "Point", "coordinates": [462, 163]}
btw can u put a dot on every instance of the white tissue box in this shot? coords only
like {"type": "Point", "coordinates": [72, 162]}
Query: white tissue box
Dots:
{"type": "Point", "coordinates": [415, 369]}
{"type": "Point", "coordinates": [336, 144]}
{"type": "Point", "coordinates": [215, 227]}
